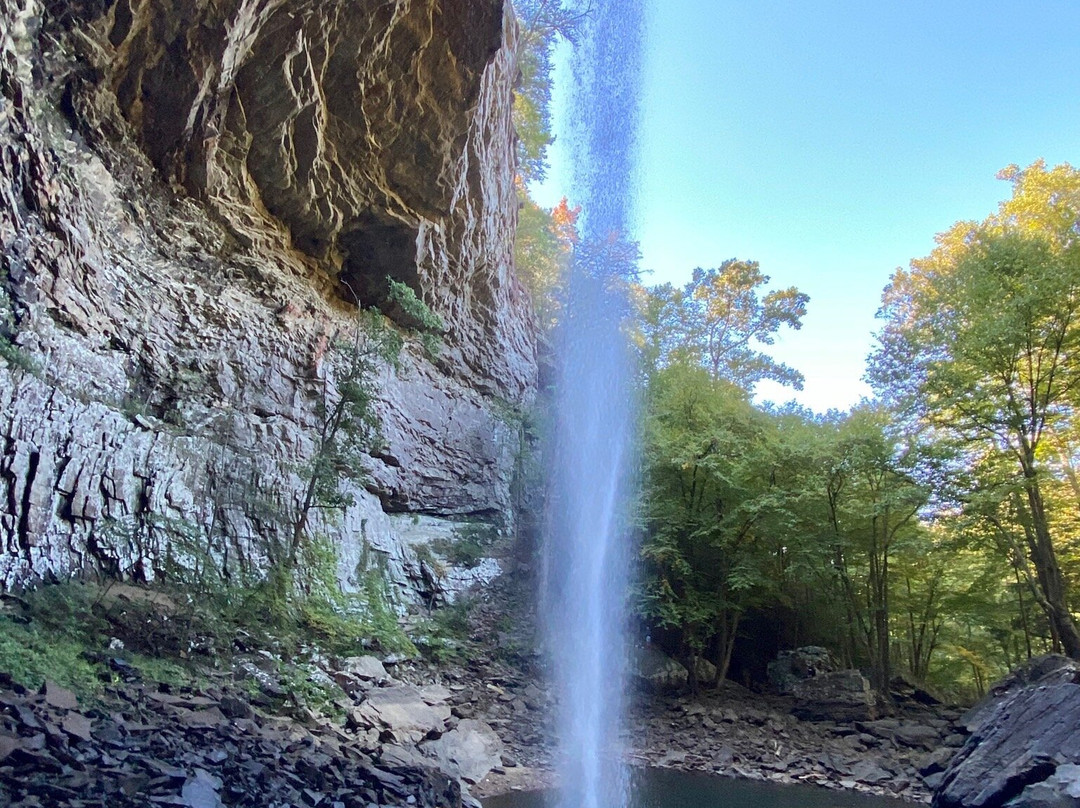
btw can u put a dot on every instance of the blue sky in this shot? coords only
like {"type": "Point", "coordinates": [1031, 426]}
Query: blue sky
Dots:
{"type": "Point", "coordinates": [831, 140]}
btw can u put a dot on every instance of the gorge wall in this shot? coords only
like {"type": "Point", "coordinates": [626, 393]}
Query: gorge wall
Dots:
{"type": "Point", "coordinates": [194, 197]}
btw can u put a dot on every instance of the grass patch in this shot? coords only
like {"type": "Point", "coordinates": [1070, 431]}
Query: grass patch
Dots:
{"type": "Point", "coordinates": [30, 658]}
{"type": "Point", "coordinates": [17, 358]}
{"type": "Point", "coordinates": [446, 636]}
{"type": "Point", "coordinates": [54, 633]}
{"type": "Point", "coordinates": [84, 636]}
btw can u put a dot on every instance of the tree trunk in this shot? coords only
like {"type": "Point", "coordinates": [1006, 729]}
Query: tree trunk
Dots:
{"type": "Point", "coordinates": [1023, 612]}
{"type": "Point", "coordinates": [1043, 556]}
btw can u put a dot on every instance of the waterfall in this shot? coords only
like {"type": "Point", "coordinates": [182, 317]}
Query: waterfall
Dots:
{"type": "Point", "coordinates": [586, 560]}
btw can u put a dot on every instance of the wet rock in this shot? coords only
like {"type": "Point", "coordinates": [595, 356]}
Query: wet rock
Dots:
{"type": "Point", "coordinates": [836, 696]}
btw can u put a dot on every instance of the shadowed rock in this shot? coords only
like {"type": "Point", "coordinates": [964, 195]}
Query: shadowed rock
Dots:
{"type": "Point", "coordinates": [1021, 738]}
{"type": "Point", "coordinates": [836, 696]}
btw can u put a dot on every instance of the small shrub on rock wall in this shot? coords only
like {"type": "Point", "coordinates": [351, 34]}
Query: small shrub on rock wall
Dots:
{"type": "Point", "coordinates": [349, 427]}
{"type": "Point", "coordinates": [11, 353]}
{"type": "Point", "coordinates": [418, 316]}
{"type": "Point", "coordinates": [469, 546]}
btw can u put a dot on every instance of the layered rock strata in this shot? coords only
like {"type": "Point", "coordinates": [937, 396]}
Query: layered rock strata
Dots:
{"type": "Point", "coordinates": [1024, 750]}
{"type": "Point", "coordinates": [193, 198]}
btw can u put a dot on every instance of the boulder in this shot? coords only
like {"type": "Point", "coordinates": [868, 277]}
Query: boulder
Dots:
{"type": "Point", "coordinates": [403, 712]}
{"type": "Point", "coordinates": [936, 762]}
{"type": "Point", "coordinates": [705, 671]}
{"type": "Point", "coordinates": [836, 696]}
{"type": "Point", "coordinates": [656, 671]}
{"type": "Point", "coordinates": [1024, 749]}
{"type": "Point", "coordinates": [365, 668]}
{"type": "Point", "coordinates": [904, 689]}
{"type": "Point", "coordinates": [791, 667]}
{"type": "Point", "coordinates": [919, 736]}
{"type": "Point", "coordinates": [1060, 790]}
{"type": "Point", "coordinates": [870, 772]}
{"type": "Point", "coordinates": [1037, 669]}
{"type": "Point", "coordinates": [469, 751]}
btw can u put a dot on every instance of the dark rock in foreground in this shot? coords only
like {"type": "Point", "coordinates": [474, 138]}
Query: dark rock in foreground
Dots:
{"type": "Point", "coordinates": [158, 748]}
{"type": "Point", "coordinates": [1024, 751]}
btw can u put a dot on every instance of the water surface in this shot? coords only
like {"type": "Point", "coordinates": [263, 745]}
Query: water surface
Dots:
{"type": "Point", "coordinates": [671, 789]}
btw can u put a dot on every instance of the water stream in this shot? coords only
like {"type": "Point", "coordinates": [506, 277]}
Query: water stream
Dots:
{"type": "Point", "coordinates": [586, 550]}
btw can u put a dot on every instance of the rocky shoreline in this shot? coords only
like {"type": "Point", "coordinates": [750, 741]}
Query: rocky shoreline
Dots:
{"type": "Point", "coordinates": [259, 726]}
{"type": "Point", "coordinates": [425, 735]}
{"type": "Point", "coordinates": [731, 731]}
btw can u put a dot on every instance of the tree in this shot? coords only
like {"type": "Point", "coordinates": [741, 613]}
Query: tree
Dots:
{"type": "Point", "coordinates": [720, 320]}
{"type": "Point", "coordinates": [543, 247]}
{"type": "Point", "coordinates": [709, 492]}
{"type": "Point", "coordinates": [541, 23]}
{"type": "Point", "coordinates": [981, 339]}
{"type": "Point", "coordinates": [872, 507]}
{"type": "Point", "coordinates": [346, 367]}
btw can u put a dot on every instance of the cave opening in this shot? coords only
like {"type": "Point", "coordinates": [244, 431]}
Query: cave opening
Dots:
{"type": "Point", "coordinates": [376, 248]}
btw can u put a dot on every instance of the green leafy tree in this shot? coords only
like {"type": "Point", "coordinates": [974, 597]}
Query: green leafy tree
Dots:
{"type": "Point", "coordinates": [541, 23]}
{"type": "Point", "coordinates": [872, 502]}
{"type": "Point", "coordinates": [721, 320]}
{"type": "Point", "coordinates": [980, 341]}
{"type": "Point", "coordinates": [347, 366]}
{"type": "Point", "coordinates": [709, 490]}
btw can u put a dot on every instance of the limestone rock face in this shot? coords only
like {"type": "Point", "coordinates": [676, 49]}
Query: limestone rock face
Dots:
{"type": "Point", "coordinates": [377, 133]}
{"type": "Point", "coordinates": [193, 197]}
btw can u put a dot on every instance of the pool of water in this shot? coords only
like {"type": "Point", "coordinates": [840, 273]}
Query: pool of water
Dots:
{"type": "Point", "coordinates": [671, 789]}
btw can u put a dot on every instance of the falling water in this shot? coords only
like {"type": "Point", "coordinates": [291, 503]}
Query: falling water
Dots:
{"type": "Point", "coordinates": [586, 558]}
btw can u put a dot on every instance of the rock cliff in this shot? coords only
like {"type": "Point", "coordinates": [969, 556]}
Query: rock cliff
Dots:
{"type": "Point", "coordinates": [194, 197]}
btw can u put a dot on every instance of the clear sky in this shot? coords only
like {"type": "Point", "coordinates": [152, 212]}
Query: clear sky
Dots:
{"type": "Point", "coordinates": [831, 140]}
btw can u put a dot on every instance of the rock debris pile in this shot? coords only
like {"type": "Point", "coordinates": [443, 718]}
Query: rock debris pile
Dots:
{"type": "Point", "coordinates": [733, 732]}
{"type": "Point", "coordinates": [145, 745]}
